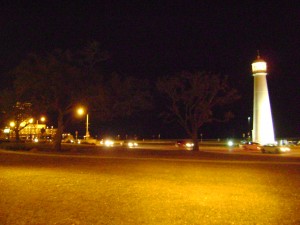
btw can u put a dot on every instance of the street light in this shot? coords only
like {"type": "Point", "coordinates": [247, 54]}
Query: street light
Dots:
{"type": "Point", "coordinates": [249, 128]}
{"type": "Point", "coordinates": [42, 119]}
{"type": "Point", "coordinates": [81, 111]}
{"type": "Point", "coordinates": [12, 124]}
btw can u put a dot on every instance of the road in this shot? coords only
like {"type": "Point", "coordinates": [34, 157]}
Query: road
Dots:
{"type": "Point", "coordinates": [149, 187]}
{"type": "Point", "coordinates": [295, 150]}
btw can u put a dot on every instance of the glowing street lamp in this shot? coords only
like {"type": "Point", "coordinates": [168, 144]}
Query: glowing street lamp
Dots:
{"type": "Point", "coordinates": [81, 111]}
{"type": "Point", "coordinates": [12, 124]}
{"type": "Point", "coordinates": [43, 119]}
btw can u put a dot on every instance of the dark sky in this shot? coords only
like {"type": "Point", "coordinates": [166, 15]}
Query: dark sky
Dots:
{"type": "Point", "coordinates": [155, 38]}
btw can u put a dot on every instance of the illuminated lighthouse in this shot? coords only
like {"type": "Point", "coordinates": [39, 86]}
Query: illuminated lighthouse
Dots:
{"type": "Point", "coordinates": [263, 131]}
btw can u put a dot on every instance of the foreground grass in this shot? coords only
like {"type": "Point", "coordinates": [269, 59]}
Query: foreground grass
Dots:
{"type": "Point", "coordinates": [73, 190]}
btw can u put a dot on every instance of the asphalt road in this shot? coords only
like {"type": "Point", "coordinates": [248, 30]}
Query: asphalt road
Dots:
{"type": "Point", "coordinates": [149, 187]}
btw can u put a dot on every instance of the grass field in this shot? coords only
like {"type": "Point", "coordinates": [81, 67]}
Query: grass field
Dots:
{"type": "Point", "coordinates": [73, 190]}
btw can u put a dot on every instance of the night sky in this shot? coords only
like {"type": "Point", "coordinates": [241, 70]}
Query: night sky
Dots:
{"type": "Point", "coordinates": [150, 39]}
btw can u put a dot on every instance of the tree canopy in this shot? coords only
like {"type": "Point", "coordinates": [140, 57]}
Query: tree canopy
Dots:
{"type": "Point", "coordinates": [57, 82]}
{"type": "Point", "coordinates": [192, 99]}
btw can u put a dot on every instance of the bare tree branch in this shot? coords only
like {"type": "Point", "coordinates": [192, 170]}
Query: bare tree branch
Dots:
{"type": "Point", "coordinates": [193, 97]}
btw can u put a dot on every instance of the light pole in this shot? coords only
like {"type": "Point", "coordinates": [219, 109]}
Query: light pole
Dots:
{"type": "Point", "coordinates": [249, 128]}
{"type": "Point", "coordinates": [12, 125]}
{"type": "Point", "coordinates": [80, 111]}
{"type": "Point", "coordinates": [43, 119]}
{"type": "Point", "coordinates": [87, 133]}
{"type": "Point", "coordinates": [30, 121]}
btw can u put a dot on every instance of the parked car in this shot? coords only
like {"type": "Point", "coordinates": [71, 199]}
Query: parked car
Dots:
{"type": "Point", "coordinates": [272, 148]}
{"type": "Point", "coordinates": [184, 144]}
{"type": "Point", "coordinates": [251, 146]}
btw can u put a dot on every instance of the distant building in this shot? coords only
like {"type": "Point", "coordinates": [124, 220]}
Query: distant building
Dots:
{"type": "Point", "coordinates": [30, 132]}
{"type": "Point", "coordinates": [37, 131]}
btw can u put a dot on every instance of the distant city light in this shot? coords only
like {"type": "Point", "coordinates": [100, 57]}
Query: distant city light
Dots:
{"type": "Point", "coordinates": [6, 130]}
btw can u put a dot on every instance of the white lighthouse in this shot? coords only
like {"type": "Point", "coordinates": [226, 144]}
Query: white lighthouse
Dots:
{"type": "Point", "coordinates": [263, 131]}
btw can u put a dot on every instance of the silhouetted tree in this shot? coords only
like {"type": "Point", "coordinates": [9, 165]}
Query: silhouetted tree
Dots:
{"type": "Point", "coordinates": [193, 97]}
{"type": "Point", "coordinates": [57, 82]}
{"type": "Point", "coordinates": [89, 58]}
{"type": "Point", "coordinates": [110, 95]}
{"type": "Point", "coordinates": [127, 96]}
{"type": "Point", "coordinates": [7, 101]}
{"type": "Point", "coordinates": [20, 113]}
{"type": "Point", "coordinates": [52, 82]}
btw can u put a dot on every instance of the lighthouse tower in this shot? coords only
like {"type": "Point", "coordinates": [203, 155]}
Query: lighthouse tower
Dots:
{"type": "Point", "coordinates": [263, 131]}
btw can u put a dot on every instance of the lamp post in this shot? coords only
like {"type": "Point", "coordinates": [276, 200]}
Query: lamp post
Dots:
{"type": "Point", "coordinates": [12, 124]}
{"type": "Point", "coordinates": [249, 128]}
{"type": "Point", "coordinates": [87, 133]}
{"type": "Point", "coordinates": [30, 121]}
{"type": "Point", "coordinates": [42, 119]}
{"type": "Point", "coordinates": [80, 111]}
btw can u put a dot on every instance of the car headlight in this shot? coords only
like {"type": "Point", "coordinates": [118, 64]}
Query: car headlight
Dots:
{"type": "Point", "coordinates": [230, 143]}
{"type": "Point", "coordinates": [108, 143]}
{"type": "Point", "coordinates": [189, 145]}
{"type": "Point", "coordinates": [285, 149]}
{"type": "Point", "coordinates": [132, 144]}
